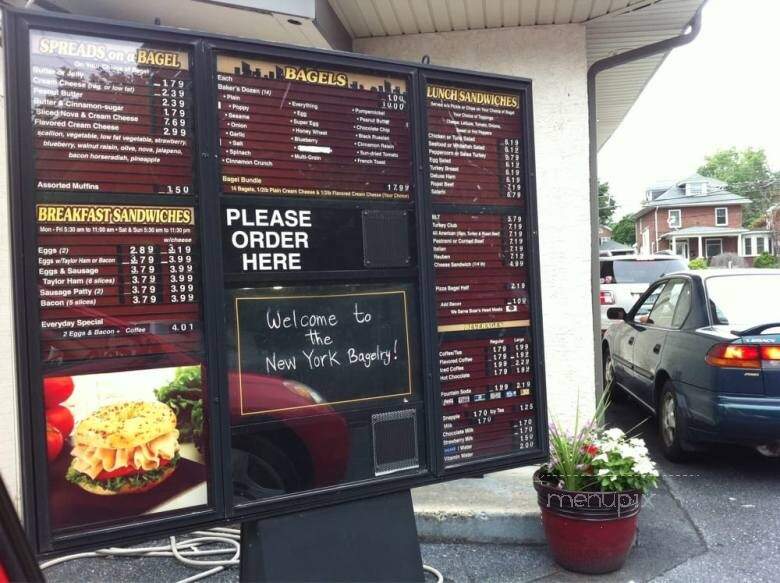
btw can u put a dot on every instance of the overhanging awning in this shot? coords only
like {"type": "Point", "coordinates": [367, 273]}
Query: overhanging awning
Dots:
{"type": "Point", "coordinates": [613, 26]}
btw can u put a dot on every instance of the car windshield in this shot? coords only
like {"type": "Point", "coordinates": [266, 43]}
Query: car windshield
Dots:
{"type": "Point", "coordinates": [639, 271]}
{"type": "Point", "coordinates": [744, 300]}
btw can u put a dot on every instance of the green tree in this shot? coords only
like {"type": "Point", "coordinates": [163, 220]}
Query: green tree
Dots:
{"type": "Point", "coordinates": [747, 173]}
{"type": "Point", "coordinates": [606, 204]}
{"type": "Point", "coordinates": [625, 231]}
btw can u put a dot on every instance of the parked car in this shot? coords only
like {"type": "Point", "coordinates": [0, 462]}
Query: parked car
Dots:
{"type": "Point", "coordinates": [701, 351]}
{"type": "Point", "coordinates": [623, 279]}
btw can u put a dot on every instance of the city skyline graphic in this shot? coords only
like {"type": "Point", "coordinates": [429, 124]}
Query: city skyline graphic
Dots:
{"type": "Point", "coordinates": [274, 71]}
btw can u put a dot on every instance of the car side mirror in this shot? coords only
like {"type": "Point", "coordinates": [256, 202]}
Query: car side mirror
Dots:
{"type": "Point", "coordinates": [616, 314]}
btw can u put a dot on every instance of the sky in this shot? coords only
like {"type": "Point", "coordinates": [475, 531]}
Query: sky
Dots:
{"type": "Point", "coordinates": [721, 90]}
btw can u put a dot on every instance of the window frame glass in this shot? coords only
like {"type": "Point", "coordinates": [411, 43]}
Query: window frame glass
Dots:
{"type": "Point", "coordinates": [678, 222]}
{"type": "Point", "coordinates": [666, 297]}
{"type": "Point", "coordinates": [725, 216]}
{"type": "Point", "coordinates": [707, 244]}
{"type": "Point", "coordinates": [654, 292]}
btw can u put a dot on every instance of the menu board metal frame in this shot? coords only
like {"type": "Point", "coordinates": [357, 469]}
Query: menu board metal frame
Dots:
{"type": "Point", "coordinates": [203, 50]}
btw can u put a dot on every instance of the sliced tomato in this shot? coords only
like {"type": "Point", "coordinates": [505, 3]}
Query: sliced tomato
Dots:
{"type": "Point", "coordinates": [125, 471]}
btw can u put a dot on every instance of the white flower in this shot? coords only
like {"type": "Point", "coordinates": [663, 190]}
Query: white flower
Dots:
{"type": "Point", "coordinates": [614, 433]}
{"type": "Point", "coordinates": [603, 472]}
{"type": "Point", "coordinates": [626, 451]}
{"type": "Point", "coordinates": [645, 466]}
{"type": "Point", "coordinates": [602, 457]}
{"type": "Point", "coordinates": [637, 442]}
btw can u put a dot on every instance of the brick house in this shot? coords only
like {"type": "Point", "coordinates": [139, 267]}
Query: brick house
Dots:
{"type": "Point", "coordinates": [697, 217]}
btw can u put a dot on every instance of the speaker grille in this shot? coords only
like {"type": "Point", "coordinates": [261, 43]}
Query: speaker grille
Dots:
{"type": "Point", "coordinates": [386, 239]}
{"type": "Point", "coordinates": [395, 441]}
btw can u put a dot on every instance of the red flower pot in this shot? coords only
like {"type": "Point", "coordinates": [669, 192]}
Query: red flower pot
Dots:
{"type": "Point", "coordinates": [588, 532]}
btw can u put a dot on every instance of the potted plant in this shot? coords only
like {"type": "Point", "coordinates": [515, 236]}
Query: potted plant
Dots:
{"type": "Point", "coordinates": [590, 493]}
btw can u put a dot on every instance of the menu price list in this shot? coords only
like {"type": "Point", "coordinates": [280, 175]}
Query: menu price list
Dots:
{"type": "Point", "coordinates": [110, 116]}
{"type": "Point", "coordinates": [117, 281]}
{"type": "Point", "coordinates": [290, 130]}
{"type": "Point", "coordinates": [480, 269]}
{"type": "Point", "coordinates": [474, 149]}
{"type": "Point", "coordinates": [487, 400]}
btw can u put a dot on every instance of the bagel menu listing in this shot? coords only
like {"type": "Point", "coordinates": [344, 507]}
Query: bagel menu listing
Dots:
{"type": "Point", "coordinates": [135, 434]}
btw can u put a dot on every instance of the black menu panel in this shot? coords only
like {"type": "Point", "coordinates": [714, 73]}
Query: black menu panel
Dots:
{"type": "Point", "coordinates": [110, 116]}
{"type": "Point", "coordinates": [483, 309]}
{"type": "Point", "coordinates": [294, 130]}
{"type": "Point", "coordinates": [121, 357]}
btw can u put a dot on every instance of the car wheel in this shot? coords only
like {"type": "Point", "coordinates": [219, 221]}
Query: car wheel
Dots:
{"type": "Point", "coordinates": [609, 371]}
{"type": "Point", "coordinates": [670, 428]}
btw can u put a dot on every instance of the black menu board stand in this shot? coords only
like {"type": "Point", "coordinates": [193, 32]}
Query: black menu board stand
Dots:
{"type": "Point", "coordinates": [369, 540]}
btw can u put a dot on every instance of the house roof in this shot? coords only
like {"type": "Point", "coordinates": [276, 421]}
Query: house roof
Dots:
{"type": "Point", "coordinates": [704, 232]}
{"type": "Point", "coordinates": [675, 196]}
{"type": "Point", "coordinates": [610, 245]}
{"type": "Point", "coordinates": [661, 185]}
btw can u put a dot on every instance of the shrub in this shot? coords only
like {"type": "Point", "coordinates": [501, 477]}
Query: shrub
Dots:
{"type": "Point", "coordinates": [698, 263]}
{"type": "Point", "coordinates": [765, 260]}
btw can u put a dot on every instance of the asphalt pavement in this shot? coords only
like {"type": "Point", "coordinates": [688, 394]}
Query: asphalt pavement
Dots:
{"type": "Point", "coordinates": [714, 518]}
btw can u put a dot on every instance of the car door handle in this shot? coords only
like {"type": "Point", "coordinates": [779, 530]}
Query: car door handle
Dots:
{"type": "Point", "coordinates": [657, 348]}
{"type": "Point", "coordinates": [631, 341]}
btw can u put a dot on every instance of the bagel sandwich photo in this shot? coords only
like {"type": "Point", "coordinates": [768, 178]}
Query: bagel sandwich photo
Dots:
{"type": "Point", "coordinates": [124, 448]}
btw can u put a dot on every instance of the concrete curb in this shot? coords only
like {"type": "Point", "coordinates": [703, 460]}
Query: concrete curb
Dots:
{"type": "Point", "coordinates": [483, 527]}
{"type": "Point", "coordinates": [500, 508]}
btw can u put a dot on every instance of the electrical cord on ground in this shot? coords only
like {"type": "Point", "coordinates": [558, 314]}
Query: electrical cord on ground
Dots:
{"type": "Point", "coordinates": [189, 551]}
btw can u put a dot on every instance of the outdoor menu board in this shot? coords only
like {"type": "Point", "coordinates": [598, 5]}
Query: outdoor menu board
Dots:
{"type": "Point", "coordinates": [475, 156]}
{"type": "Point", "coordinates": [292, 130]}
{"type": "Point", "coordinates": [257, 279]}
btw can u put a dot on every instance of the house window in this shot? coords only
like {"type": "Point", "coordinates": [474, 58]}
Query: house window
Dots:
{"type": "Point", "coordinates": [675, 218]}
{"type": "Point", "coordinates": [760, 245]}
{"type": "Point", "coordinates": [748, 246]}
{"type": "Point", "coordinates": [713, 247]}
{"type": "Point", "coordinates": [695, 188]}
{"type": "Point", "coordinates": [721, 216]}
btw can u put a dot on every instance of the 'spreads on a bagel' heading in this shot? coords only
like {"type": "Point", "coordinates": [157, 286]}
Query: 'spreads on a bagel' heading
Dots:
{"type": "Point", "coordinates": [133, 54]}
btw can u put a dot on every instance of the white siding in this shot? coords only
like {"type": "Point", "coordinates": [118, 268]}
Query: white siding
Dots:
{"type": "Point", "coordinates": [10, 469]}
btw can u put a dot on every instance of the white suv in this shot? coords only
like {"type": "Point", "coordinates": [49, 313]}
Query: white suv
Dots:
{"type": "Point", "coordinates": [624, 279]}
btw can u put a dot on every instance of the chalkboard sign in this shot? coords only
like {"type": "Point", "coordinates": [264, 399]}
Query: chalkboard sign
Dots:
{"type": "Point", "coordinates": [346, 345]}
